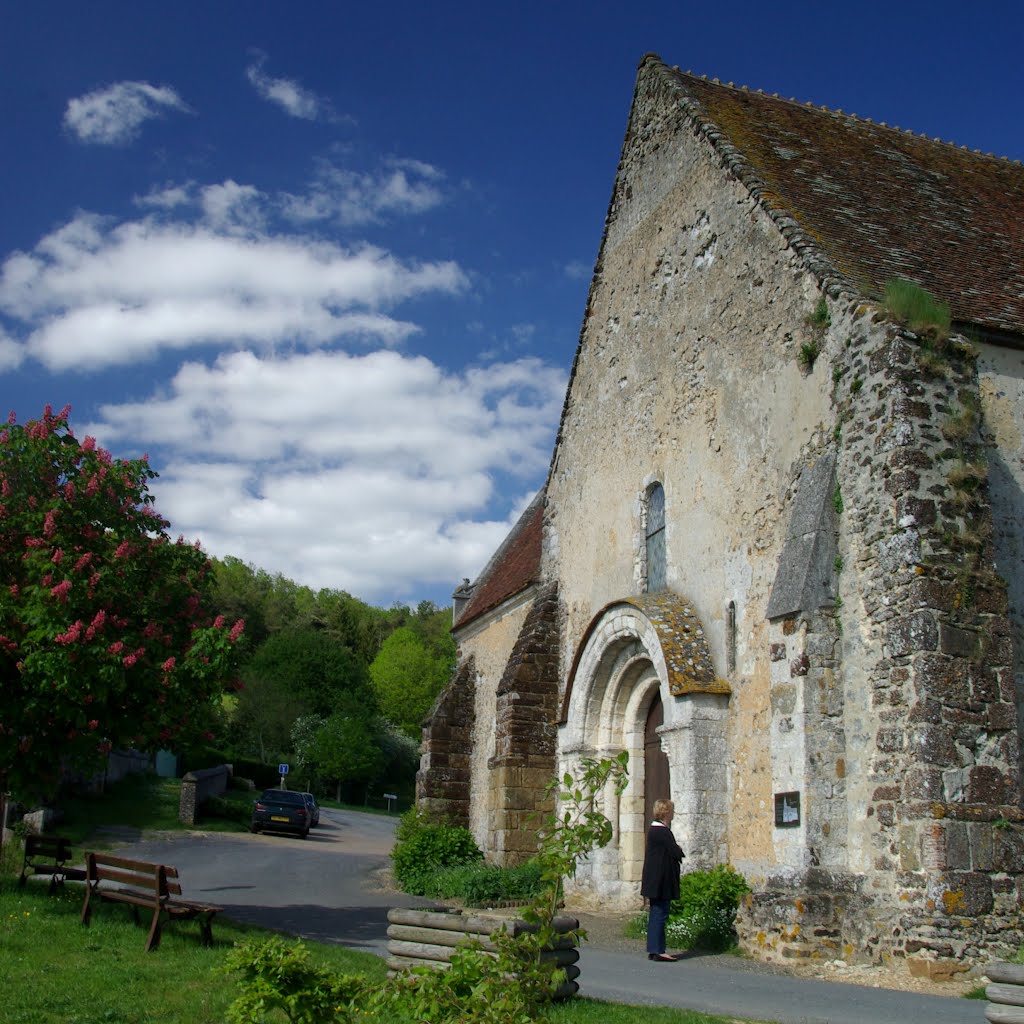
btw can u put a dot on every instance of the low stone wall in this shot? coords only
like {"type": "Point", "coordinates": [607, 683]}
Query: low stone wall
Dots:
{"type": "Point", "coordinates": [199, 786]}
{"type": "Point", "coordinates": [426, 938]}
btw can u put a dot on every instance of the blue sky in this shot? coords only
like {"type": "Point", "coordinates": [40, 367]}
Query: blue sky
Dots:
{"type": "Point", "coordinates": [326, 262]}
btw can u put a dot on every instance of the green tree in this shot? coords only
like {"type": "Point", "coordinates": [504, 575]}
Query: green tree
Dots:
{"type": "Point", "coordinates": [107, 631]}
{"type": "Point", "coordinates": [407, 676]}
{"type": "Point", "coordinates": [318, 671]}
{"type": "Point", "coordinates": [345, 748]}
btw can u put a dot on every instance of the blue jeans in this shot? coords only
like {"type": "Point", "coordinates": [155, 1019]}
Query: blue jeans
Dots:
{"type": "Point", "coordinates": [656, 925]}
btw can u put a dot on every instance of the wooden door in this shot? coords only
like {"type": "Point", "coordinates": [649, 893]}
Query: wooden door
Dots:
{"type": "Point", "coordinates": [656, 780]}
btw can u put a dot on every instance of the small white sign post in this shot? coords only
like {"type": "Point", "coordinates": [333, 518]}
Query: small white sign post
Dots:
{"type": "Point", "coordinates": [389, 797]}
{"type": "Point", "coordinates": [282, 770]}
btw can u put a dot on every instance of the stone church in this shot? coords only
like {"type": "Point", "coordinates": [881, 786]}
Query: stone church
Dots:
{"type": "Point", "coordinates": [777, 554]}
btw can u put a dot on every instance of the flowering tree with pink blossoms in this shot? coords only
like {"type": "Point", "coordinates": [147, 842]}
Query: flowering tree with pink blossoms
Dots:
{"type": "Point", "coordinates": [107, 638]}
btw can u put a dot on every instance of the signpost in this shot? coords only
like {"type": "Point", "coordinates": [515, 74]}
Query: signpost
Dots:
{"type": "Point", "coordinates": [389, 797]}
{"type": "Point", "coordinates": [282, 770]}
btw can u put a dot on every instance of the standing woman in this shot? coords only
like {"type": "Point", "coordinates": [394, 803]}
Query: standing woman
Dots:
{"type": "Point", "coordinates": [660, 879]}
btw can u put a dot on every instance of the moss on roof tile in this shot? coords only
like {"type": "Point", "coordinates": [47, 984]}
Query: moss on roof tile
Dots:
{"type": "Point", "coordinates": [877, 202]}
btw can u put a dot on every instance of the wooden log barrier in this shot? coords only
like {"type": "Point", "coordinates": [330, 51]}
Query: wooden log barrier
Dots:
{"type": "Point", "coordinates": [425, 938]}
{"type": "Point", "coordinates": [1005, 993]}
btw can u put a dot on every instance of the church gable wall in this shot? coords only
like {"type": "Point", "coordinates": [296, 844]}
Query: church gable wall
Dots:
{"type": "Point", "coordinates": [689, 374]}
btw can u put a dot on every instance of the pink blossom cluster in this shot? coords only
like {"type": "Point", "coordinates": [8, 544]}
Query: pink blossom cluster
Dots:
{"type": "Point", "coordinates": [61, 591]}
{"type": "Point", "coordinates": [236, 630]}
{"type": "Point", "coordinates": [73, 635]}
{"type": "Point", "coordinates": [97, 624]}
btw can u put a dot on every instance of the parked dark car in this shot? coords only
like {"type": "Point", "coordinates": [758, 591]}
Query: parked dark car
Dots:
{"type": "Point", "coordinates": [280, 810]}
{"type": "Point", "coordinates": [314, 809]}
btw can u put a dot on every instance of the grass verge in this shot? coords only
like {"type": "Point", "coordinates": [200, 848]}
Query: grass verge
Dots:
{"type": "Point", "coordinates": [55, 971]}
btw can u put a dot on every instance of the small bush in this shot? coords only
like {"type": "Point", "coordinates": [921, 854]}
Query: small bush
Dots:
{"type": "Point", "coordinates": [424, 845]}
{"type": "Point", "coordinates": [809, 352]}
{"type": "Point", "coordinates": [820, 320]}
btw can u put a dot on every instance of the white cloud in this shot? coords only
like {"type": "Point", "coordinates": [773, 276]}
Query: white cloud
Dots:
{"type": "Point", "coordinates": [358, 472]}
{"type": "Point", "coordinates": [352, 197]}
{"type": "Point", "coordinates": [114, 114]}
{"type": "Point", "coordinates": [11, 353]}
{"type": "Point", "coordinates": [291, 97]}
{"type": "Point", "coordinates": [578, 271]}
{"type": "Point", "coordinates": [232, 207]}
{"type": "Point", "coordinates": [97, 294]}
{"type": "Point", "coordinates": [166, 197]}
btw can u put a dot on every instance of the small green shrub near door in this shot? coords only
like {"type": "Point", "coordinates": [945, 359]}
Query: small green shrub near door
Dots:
{"type": "Point", "coordinates": [704, 916]}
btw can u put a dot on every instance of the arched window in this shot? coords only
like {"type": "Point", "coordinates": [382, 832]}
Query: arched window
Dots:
{"type": "Point", "coordinates": [655, 536]}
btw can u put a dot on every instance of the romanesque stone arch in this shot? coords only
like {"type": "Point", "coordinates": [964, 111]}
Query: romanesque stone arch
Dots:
{"type": "Point", "coordinates": [634, 651]}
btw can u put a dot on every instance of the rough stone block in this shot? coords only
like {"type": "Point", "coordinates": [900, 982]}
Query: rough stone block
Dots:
{"type": "Point", "coordinates": [958, 849]}
{"type": "Point", "coordinates": [979, 836]}
{"type": "Point", "coordinates": [926, 592]}
{"type": "Point", "coordinates": [942, 679]}
{"type": "Point", "coordinates": [967, 894]}
{"type": "Point", "coordinates": [912, 633]}
{"type": "Point", "coordinates": [957, 642]}
{"type": "Point", "coordinates": [934, 744]}
{"type": "Point", "coordinates": [935, 970]}
{"type": "Point", "coordinates": [986, 785]}
{"type": "Point", "coordinates": [910, 858]}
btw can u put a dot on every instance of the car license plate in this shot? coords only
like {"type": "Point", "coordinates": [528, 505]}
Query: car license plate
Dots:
{"type": "Point", "coordinates": [278, 817]}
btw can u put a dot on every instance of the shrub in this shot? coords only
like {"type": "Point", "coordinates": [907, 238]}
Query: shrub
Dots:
{"type": "Point", "coordinates": [705, 912]}
{"type": "Point", "coordinates": [423, 846]}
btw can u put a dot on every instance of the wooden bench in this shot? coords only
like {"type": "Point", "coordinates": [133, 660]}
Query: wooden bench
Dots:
{"type": "Point", "coordinates": [152, 887]}
{"type": "Point", "coordinates": [48, 855]}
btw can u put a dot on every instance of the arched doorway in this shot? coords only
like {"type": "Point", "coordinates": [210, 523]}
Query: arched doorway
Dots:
{"type": "Point", "coordinates": [642, 681]}
{"type": "Point", "coordinates": [657, 785]}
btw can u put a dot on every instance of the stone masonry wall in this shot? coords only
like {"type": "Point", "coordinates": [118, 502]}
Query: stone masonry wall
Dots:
{"type": "Point", "coordinates": [525, 734]}
{"type": "Point", "coordinates": [443, 779]}
{"type": "Point", "coordinates": [921, 738]}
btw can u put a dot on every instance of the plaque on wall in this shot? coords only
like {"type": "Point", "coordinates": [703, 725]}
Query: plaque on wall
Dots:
{"type": "Point", "coordinates": [787, 810]}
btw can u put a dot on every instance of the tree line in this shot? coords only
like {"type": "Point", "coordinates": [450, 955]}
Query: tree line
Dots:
{"type": "Point", "coordinates": [333, 686]}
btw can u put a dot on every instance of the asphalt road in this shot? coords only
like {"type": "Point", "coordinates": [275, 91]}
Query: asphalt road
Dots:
{"type": "Point", "coordinates": [324, 888]}
{"type": "Point", "coordinates": [321, 887]}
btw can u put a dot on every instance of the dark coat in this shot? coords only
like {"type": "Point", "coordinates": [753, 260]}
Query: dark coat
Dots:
{"type": "Point", "coordinates": [662, 861]}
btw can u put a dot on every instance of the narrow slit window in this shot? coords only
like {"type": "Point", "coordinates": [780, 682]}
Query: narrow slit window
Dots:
{"type": "Point", "coordinates": [656, 560]}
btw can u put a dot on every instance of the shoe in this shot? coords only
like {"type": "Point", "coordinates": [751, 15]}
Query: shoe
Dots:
{"type": "Point", "coordinates": [664, 958]}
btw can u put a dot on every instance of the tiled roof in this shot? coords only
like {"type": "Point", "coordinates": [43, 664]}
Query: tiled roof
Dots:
{"type": "Point", "coordinates": [512, 568]}
{"type": "Point", "coordinates": [876, 202]}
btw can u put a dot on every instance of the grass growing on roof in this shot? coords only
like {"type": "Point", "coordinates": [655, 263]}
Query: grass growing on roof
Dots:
{"type": "Point", "coordinates": [917, 308]}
